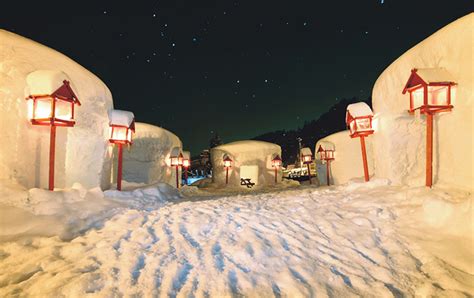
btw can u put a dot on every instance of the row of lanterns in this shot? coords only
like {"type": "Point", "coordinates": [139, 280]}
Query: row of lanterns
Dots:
{"type": "Point", "coordinates": [431, 92]}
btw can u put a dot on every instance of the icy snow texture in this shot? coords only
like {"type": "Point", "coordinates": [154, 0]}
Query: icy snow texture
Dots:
{"type": "Point", "coordinates": [81, 151]}
{"type": "Point", "coordinates": [255, 156]}
{"type": "Point", "coordinates": [359, 109]}
{"type": "Point", "coordinates": [148, 159]}
{"type": "Point", "coordinates": [356, 240]}
{"type": "Point", "coordinates": [347, 163]}
{"type": "Point", "coordinates": [121, 118]}
{"type": "Point", "coordinates": [400, 144]}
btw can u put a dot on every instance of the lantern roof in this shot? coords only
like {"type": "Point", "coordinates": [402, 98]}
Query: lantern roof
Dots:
{"type": "Point", "coordinates": [306, 151]}
{"type": "Point", "coordinates": [42, 83]}
{"type": "Point", "coordinates": [176, 152]}
{"type": "Point", "coordinates": [227, 158]}
{"type": "Point", "coordinates": [277, 157]}
{"type": "Point", "coordinates": [122, 118]}
{"type": "Point", "coordinates": [357, 110]}
{"type": "Point", "coordinates": [325, 146]}
{"type": "Point", "coordinates": [426, 76]}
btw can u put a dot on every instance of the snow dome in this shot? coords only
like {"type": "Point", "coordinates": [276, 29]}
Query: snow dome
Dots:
{"type": "Point", "coordinates": [148, 159]}
{"type": "Point", "coordinates": [347, 163]}
{"type": "Point", "coordinates": [399, 146]}
{"type": "Point", "coordinates": [250, 160]}
{"type": "Point", "coordinates": [81, 151]}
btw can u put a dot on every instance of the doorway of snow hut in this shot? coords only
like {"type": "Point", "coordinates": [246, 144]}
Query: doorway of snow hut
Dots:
{"type": "Point", "coordinates": [249, 172]}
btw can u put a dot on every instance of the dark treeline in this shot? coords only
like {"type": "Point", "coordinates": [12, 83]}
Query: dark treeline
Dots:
{"type": "Point", "coordinates": [328, 123]}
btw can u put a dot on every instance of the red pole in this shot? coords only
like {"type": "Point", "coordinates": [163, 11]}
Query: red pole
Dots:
{"type": "Point", "coordinates": [309, 174]}
{"type": "Point", "coordinates": [177, 178]}
{"type": "Point", "coordinates": [364, 158]}
{"type": "Point", "coordinates": [226, 175]}
{"type": "Point", "coordinates": [119, 169]}
{"type": "Point", "coordinates": [327, 171]}
{"type": "Point", "coordinates": [276, 175]}
{"type": "Point", "coordinates": [429, 150]}
{"type": "Point", "coordinates": [52, 153]}
{"type": "Point", "coordinates": [186, 175]}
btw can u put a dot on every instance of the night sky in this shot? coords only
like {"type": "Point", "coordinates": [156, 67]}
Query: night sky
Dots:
{"type": "Point", "coordinates": [240, 68]}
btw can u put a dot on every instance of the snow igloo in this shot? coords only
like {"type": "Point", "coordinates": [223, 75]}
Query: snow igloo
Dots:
{"type": "Point", "coordinates": [250, 160]}
{"type": "Point", "coordinates": [400, 144]}
{"type": "Point", "coordinates": [347, 163]}
{"type": "Point", "coordinates": [147, 160]}
{"type": "Point", "coordinates": [81, 151]}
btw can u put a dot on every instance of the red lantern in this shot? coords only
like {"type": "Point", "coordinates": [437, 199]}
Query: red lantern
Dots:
{"type": "Point", "coordinates": [176, 160]}
{"type": "Point", "coordinates": [122, 125]}
{"type": "Point", "coordinates": [431, 92]}
{"type": "Point", "coordinates": [276, 163]}
{"type": "Point", "coordinates": [326, 154]}
{"type": "Point", "coordinates": [51, 109]}
{"type": "Point", "coordinates": [227, 164]}
{"type": "Point", "coordinates": [186, 164]}
{"type": "Point", "coordinates": [359, 120]}
{"type": "Point", "coordinates": [307, 158]}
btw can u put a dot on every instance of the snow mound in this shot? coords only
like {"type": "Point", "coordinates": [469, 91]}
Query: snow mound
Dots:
{"type": "Point", "coordinates": [400, 144]}
{"type": "Point", "coordinates": [146, 198]}
{"type": "Point", "coordinates": [359, 109]}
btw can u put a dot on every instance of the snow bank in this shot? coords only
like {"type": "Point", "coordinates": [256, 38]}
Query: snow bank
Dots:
{"type": "Point", "coordinates": [81, 151]}
{"type": "Point", "coordinates": [251, 159]}
{"type": "Point", "coordinates": [399, 147]}
{"type": "Point", "coordinates": [347, 163]}
{"type": "Point", "coordinates": [147, 160]}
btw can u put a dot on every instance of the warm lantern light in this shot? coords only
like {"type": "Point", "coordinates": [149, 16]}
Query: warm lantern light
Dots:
{"type": "Point", "coordinates": [307, 159]}
{"type": "Point", "coordinates": [176, 160]}
{"type": "Point", "coordinates": [326, 153]}
{"type": "Point", "coordinates": [276, 161]}
{"type": "Point", "coordinates": [122, 125]}
{"type": "Point", "coordinates": [55, 109]}
{"type": "Point", "coordinates": [431, 90]}
{"type": "Point", "coordinates": [359, 120]}
{"type": "Point", "coordinates": [186, 163]}
{"type": "Point", "coordinates": [51, 102]}
{"type": "Point", "coordinates": [227, 162]}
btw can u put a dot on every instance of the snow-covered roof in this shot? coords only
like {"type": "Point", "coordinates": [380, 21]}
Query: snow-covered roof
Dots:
{"type": "Point", "coordinates": [435, 75]}
{"type": "Point", "coordinates": [47, 82]}
{"type": "Point", "coordinates": [122, 118]}
{"type": "Point", "coordinates": [359, 109]}
{"type": "Point", "coordinates": [306, 151]}
{"type": "Point", "coordinates": [327, 145]}
{"type": "Point", "coordinates": [247, 146]}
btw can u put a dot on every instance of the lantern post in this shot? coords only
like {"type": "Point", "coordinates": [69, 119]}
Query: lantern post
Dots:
{"type": "Point", "coordinates": [227, 165]}
{"type": "Point", "coordinates": [430, 92]}
{"type": "Point", "coordinates": [359, 120]}
{"type": "Point", "coordinates": [54, 109]}
{"type": "Point", "coordinates": [307, 158]}
{"type": "Point", "coordinates": [122, 125]}
{"type": "Point", "coordinates": [186, 165]}
{"type": "Point", "coordinates": [276, 163]}
{"type": "Point", "coordinates": [176, 161]}
{"type": "Point", "coordinates": [326, 155]}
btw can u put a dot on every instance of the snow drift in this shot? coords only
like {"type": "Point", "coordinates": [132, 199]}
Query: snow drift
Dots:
{"type": "Point", "coordinates": [147, 160]}
{"type": "Point", "coordinates": [399, 147]}
{"type": "Point", "coordinates": [251, 159]}
{"type": "Point", "coordinates": [347, 163]}
{"type": "Point", "coordinates": [81, 151]}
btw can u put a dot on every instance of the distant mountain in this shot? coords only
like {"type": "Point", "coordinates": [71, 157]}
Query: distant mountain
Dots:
{"type": "Point", "coordinates": [328, 123]}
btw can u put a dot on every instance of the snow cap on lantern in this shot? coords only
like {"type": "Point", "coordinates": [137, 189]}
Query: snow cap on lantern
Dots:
{"type": "Point", "coordinates": [306, 155]}
{"type": "Point", "coordinates": [431, 90]}
{"type": "Point", "coordinates": [359, 119]}
{"type": "Point", "coordinates": [122, 124]}
{"type": "Point", "coordinates": [176, 157]}
{"type": "Point", "coordinates": [186, 159]}
{"type": "Point", "coordinates": [326, 151]}
{"type": "Point", "coordinates": [51, 98]}
{"type": "Point", "coordinates": [276, 161]}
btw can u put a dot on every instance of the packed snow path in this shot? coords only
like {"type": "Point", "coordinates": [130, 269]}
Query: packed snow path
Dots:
{"type": "Point", "coordinates": [334, 242]}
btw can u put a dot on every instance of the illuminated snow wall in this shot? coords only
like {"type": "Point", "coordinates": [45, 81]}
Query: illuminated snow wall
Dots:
{"type": "Point", "coordinates": [81, 151]}
{"type": "Point", "coordinates": [399, 147]}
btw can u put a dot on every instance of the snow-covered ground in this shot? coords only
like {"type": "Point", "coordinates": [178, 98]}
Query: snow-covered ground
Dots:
{"type": "Point", "coordinates": [370, 239]}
